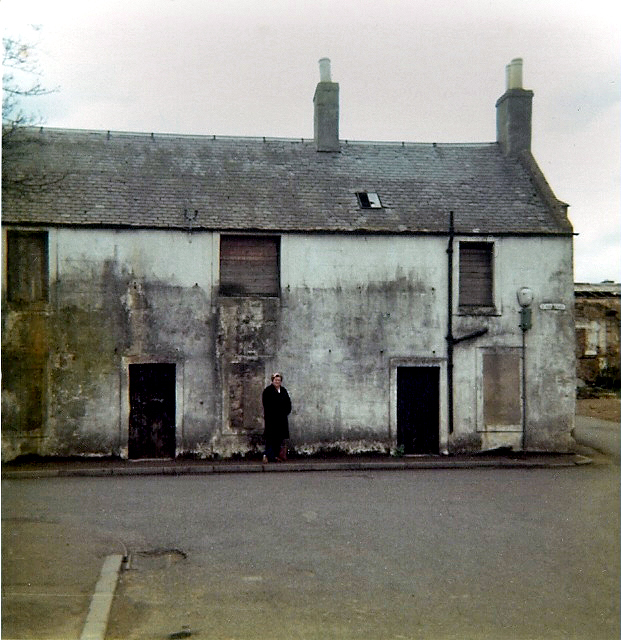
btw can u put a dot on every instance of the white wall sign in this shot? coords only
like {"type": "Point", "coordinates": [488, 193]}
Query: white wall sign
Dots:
{"type": "Point", "coordinates": [552, 306]}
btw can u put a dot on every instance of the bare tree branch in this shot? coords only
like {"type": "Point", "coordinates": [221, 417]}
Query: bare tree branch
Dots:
{"type": "Point", "coordinates": [20, 79]}
{"type": "Point", "coordinates": [22, 174]}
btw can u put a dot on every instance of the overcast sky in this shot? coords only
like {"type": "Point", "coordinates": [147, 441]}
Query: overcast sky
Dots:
{"type": "Point", "coordinates": [411, 70]}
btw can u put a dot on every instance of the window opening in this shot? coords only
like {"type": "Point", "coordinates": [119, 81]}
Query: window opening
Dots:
{"type": "Point", "coordinates": [369, 200]}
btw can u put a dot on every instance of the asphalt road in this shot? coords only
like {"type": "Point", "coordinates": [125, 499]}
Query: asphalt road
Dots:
{"type": "Point", "coordinates": [464, 554]}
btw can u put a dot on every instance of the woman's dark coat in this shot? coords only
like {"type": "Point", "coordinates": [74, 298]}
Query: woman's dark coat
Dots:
{"type": "Point", "coordinates": [276, 408]}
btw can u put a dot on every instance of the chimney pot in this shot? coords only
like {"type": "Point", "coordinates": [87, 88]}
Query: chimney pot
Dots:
{"type": "Point", "coordinates": [514, 74]}
{"type": "Point", "coordinates": [324, 70]}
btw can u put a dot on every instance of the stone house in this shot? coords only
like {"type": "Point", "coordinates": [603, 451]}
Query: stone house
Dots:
{"type": "Point", "coordinates": [597, 309]}
{"type": "Point", "coordinates": [153, 282]}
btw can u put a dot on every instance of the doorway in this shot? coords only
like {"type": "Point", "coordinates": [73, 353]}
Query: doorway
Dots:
{"type": "Point", "coordinates": [152, 411]}
{"type": "Point", "coordinates": [418, 409]}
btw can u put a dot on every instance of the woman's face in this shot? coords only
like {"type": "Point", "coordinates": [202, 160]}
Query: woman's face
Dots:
{"type": "Point", "coordinates": [276, 381]}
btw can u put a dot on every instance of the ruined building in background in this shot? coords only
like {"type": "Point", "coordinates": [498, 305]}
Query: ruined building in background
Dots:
{"type": "Point", "coordinates": [415, 295]}
{"type": "Point", "coordinates": [597, 309]}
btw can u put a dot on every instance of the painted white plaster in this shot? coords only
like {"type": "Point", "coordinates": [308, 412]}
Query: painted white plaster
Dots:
{"type": "Point", "coordinates": [326, 261]}
{"type": "Point", "coordinates": [178, 258]}
{"type": "Point", "coordinates": [351, 307]}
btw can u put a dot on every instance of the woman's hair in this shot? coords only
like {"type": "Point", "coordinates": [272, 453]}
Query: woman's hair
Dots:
{"type": "Point", "coordinates": [276, 374]}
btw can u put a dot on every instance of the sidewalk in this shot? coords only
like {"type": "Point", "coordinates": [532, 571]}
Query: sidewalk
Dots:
{"type": "Point", "coordinates": [93, 467]}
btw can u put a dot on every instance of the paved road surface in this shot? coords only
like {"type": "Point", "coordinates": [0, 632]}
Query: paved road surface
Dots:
{"type": "Point", "coordinates": [465, 554]}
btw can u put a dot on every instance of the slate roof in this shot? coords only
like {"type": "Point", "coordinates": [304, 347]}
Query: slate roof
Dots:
{"type": "Point", "coordinates": [224, 183]}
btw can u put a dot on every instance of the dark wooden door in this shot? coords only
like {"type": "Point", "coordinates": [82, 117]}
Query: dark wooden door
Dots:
{"type": "Point", "coordinates": [152, 411]}
{"type": "Point", "coordinates": [418, 409]}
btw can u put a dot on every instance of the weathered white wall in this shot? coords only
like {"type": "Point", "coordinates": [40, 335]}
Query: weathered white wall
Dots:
{"type": "Point", "coordinates": [178, 258]}
{"type": "Point", "coordinates": [352, 308]}
{"type": "Point", "coordinates": [123, 297]}
{"type": "Point", "coordinates": [350, 305]}
{"type": "Point", "coordinates": [544, 265]}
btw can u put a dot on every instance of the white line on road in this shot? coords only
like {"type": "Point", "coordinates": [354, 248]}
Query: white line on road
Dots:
{"type": "Point", "coordinates": [97, 618]}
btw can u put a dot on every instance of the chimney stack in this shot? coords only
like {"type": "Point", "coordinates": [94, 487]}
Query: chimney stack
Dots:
{"type": "Point", "coordinates": [514, 113]}
{"type": "Point", "coordinates": [326, 103]}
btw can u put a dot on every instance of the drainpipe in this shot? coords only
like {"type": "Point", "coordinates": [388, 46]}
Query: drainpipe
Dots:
{"type": "Point", "coordinates": [449, 334]}
{"type": "Point", "coordinates": [524, 387]}
{"type": "Point", "coordinates": [525, 299]}
{"type": "Point", "coordinates": [451, 340]}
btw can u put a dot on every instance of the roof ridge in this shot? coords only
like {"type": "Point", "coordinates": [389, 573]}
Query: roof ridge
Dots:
{"type": "Point", "coordinates": [213, 136]}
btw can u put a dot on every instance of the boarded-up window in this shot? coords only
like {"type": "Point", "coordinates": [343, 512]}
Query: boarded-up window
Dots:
{"type": "Point", "coordinates": [246, 382]}
{"type": "Point", "coordinates": [23, 392]}
{"type": "Point", "coordinates": [249, 265]}
{"type": "Point", "coordinates": [502, 388]}
{"type": "Point", "coordinates": [476, 274]}
{"type": "Point", "coordinates": [27, 267]}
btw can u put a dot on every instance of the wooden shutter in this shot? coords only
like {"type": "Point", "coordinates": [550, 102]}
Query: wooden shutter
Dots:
{"type": "Point", "coordinates": [476, 274]}
{"type": "Point", "coordinates": [27, 272]}
{"type": "Point", "coordinates": [249, 265]}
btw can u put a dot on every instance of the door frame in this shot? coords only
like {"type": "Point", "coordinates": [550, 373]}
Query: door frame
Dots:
{"type": "Point", "coordinates": [125, 406]}
{"type": "Point", "coordinates": [419, 361]}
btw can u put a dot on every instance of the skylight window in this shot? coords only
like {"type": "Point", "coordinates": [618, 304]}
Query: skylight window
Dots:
{"type": "Point", "coordinates": [368, 200]}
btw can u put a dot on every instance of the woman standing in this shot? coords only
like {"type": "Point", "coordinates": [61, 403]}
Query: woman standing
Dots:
{"type": "Point", "coordinates": [276, 408]}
